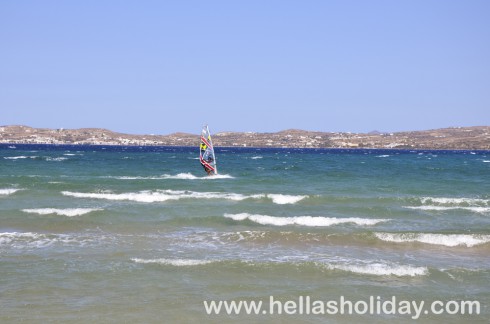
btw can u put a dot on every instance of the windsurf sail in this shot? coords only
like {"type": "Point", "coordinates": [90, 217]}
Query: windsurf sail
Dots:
{"type": "Point", "coordinates": [206, 154]}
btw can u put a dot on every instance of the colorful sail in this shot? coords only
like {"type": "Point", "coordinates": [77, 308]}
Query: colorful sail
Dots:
{"type": "Point", "coordinates": [206, 155]}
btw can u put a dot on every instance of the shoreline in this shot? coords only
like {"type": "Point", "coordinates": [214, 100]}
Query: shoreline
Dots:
{"type": "Point", "coordinates": [456, 138]}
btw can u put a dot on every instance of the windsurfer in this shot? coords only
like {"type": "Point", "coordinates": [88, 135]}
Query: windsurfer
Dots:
{"type": "Point", "coordinates": [206, 168]}
{"type": "Point", "coordinates": [206, 155]}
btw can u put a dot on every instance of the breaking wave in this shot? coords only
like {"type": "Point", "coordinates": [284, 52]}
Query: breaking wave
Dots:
{"type": "Point", "coordinates": [285, 199]}
{"type": "Point", "coordinates": [46, 158]}
{"type": "Point", "coordinates": [303, 220]}
{"type": "Point", "coordinates": [19, 157]}
{"type": "Point", "coordinates": [20, 240]}
{"type": "Point", "coordinates": [450, 240]}
{"type": "Point", "coordinates": [377, 269]}
{"type": "Point", "coordinates": [380, 269]}
{"type": "Point", "coordinates": [180, 176]}
{"type": "Point", "coordinates": [476, 205]}
{"type": "Point", "coordinates": [173, 262]}
{"type": "Point", "coordinates": [165, 195]}
{"type": "Point", "coordinates": [439, 208]}
{"type": "Point", "coordinates": [455, 201]}
{"type": "Point", "coordinates": [8, 191]}
{"type": "Point", "coordinates": [70, 212]}
{"type": "Point", "coordinates": [161, 195]}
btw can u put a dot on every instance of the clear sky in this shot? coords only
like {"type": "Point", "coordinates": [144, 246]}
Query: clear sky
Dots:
{"type": "Point", "coordinates": [157, 67]}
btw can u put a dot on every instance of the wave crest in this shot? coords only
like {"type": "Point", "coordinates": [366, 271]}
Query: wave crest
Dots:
{"type": "Point", "coordinates": [455, 201]}
{"type": "Point", "coordinates": [173, 262]}
{"type": "Point", "coordinates": [161, 195]}
{"type": "Point", "coordinates": [285, 199]}
{"type": "Point", "coordinates": [476, 205]}
{"type": "Point", "coordinates": [302, 220]}
{"type": "Point", "coordinates": [179, 176]}
{"type": "Point", "coordinates": [8, 191]}
{"type": "Point", "coordinates": [21, 240]}
{"type": "Point", "coordinates": [381, 269]}
{"type": "Point", "coordinates": [164, 195]}
{"type": "Point", "coordinates": [450, 240]}
{"type": "Point", "coordinates": [70, 212]}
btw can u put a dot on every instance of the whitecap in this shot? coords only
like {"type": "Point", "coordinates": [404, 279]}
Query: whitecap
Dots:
{"type": "Point", "coordinates": [70, 212]}
{"type": "Point", "coordinates": [160, 196]}
{"type": "Point", "coordinates": [19, 157]}
{"type": "Point", "coordinates": [56, 159]}
{"type": "Point", "coordinates": [173, 262]}
{"type": "Point", "coordinates": [39, 240]}
{"type": "Point", "coordinates": [441, 208]}
{"type": "Point", "coordinates": [381, 269]}
{"type": "Point", "coordinates": [256, 157]}
{"type": "Point", "coordinates": [180, 176]}
{"type": "Point", "coordinates": [8, 191]}
{"type": "Point", "coordinates": [190, 176]}
{"type": "Point", "coordinates": [311, 221]}
{"type": "Point", "coordinates": [454, 201]}
{"type": "Point", "coordinates": [9, 237]}
{"type": "Point", "coordinates": [450, 240]}
{"type": "Point", "coordinates": [285, 199]}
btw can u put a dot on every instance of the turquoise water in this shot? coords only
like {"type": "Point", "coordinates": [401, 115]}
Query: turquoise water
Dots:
{"type": "Point", "coordinates": [114, 234]}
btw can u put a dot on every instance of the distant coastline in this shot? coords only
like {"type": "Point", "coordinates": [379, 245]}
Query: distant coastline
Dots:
{"type": "Point", "coordinates": [455, 138]}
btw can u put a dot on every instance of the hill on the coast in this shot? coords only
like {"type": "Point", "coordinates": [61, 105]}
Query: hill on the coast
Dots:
{"type": "Point", "coordinates": [471, 138]}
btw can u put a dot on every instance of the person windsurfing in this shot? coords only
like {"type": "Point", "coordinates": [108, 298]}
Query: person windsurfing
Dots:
{"type": "Point", "coordinates": [207, 166]}
{"type": "Point", "coordinates": [206, 154]}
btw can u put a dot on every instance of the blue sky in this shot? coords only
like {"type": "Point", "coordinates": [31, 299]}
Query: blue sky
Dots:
{"type": "Point", "coordinates": [157, 67]}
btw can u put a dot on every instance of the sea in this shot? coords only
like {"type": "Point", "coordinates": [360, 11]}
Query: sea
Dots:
{"type": "Point", "coordinates": [115, 234]}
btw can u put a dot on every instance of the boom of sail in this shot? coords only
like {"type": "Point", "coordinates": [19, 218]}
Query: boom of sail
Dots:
{"type": "Point", "coordinates": [206, 154]}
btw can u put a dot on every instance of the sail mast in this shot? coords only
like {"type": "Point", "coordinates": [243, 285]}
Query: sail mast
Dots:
{"type": "Point", "coordinates": [212, 151]}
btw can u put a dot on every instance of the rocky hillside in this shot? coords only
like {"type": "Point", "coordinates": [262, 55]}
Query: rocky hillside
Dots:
{"type": "Point", "coordinates": [471, 138]}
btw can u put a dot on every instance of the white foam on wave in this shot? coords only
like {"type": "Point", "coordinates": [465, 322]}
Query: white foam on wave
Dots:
{"type": "Point", "coordinates": [440, 208]}
{"type": "Point", "coordinates": [285, 199]}
{"type": "Point", "coordinates": [9, 237]}
{"type": "Point", "coordinates": [161, 195]}
{"type": "Point", "coordinates": [56, 159]}
{"type": "Point", "coordinates": [180, 176]}
{"type": "Point", "coordinates": [477, 205]}
{"type": "Point", "coordinates": [8, 191]}
{"type": "Point", "coordinates": [173, 262]}
{"type": "Point", "coordinates": [20, 240]}
{"type": "Point", "coordinates": [19, 157]}
{"type": "Point", "coordinates": [455, 201]}
{"type": "Point", "coordinates": [383, 156]}
{"type": "Point", "coordinates": [47, 158]}
{"type": "Point", "coordinates": [381, 269]}
{"type": "Point", "coordinates": [450, 240]}
{"type": "Point", "coordinates": [70, 212]}
{"type": "Point", "coordinates": [190, 176]}
{"type": "Point", "coordinates": [312, 221]}
{"type": "Point", "coordinates": [164, 195]}
{"type": "Point", "coordinates": [256, 157]}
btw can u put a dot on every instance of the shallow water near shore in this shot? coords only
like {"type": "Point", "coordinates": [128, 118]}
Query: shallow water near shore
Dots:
{"type": "Point", "coordinates": [141, 234]}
